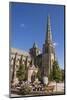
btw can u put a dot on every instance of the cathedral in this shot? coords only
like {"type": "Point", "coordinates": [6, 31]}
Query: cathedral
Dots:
{"type": "Point", "coordinates": [35, 58]}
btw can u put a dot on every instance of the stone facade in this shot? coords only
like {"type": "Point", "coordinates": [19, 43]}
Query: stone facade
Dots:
{"type": "Point", "coordinates": [21, 57]}
{"type": "Point", "coordinates": [43, 60]}
{"type": "Point", "coordinates": [48, 55]}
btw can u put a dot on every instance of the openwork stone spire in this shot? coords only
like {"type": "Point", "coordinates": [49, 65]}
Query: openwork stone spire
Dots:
{"type": "Point", "coordinates": [35, 45]}
{"type": "Point", "coordinates": [48, 33]}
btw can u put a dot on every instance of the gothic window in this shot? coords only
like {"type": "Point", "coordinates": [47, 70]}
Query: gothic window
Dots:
{"type": "Point", "coordinates": [46, 50]}
{"type": "Point", "coordinates": [28, 63]}
{"type": "Point", "coordinates": [52, 61]}
{"type": "Point", "coordinates": [23, 62]}
{"type": "Point", "coordinates": [17, 62]}
{"type": "Point", "coordinates": [20, 60]}
{"type": "Point", "coordinates": [11, 68]}
{"type": "Point", "coordinates": [12, 60]}
{"type": "Point", "coordinates": [37, 52]}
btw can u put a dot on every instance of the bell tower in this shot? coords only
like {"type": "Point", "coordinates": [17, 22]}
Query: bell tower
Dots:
{"type": "Point", "coordinates": [48, 52]}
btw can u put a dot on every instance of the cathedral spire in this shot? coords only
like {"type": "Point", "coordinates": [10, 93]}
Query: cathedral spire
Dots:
{"type": "Point", "coordinates": [48, 55]}
{"type": "Point", "coordinates": [48, 32]}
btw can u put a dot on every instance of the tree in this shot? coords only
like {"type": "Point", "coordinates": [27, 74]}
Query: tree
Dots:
{"type": "Point", "coordinates": [39, 74]}
{"type": "Point", "coordinates": [63, 75]}
{"type": "Point", "coordinates": [50, 76]}
{"type": "Point", "coordinates": [26, 73]}
{"type": "Point", "coordinates": [21, 73]}
{"type": "Point", "coordinates": [56, 72]}
{"type": "Point", "coordinates": [25, 89]}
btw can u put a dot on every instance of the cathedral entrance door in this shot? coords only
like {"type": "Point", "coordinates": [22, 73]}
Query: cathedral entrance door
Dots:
{"type": "Point", "coordinates": [33, 77]}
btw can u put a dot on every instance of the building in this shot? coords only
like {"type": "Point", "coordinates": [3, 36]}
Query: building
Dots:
{"type": "Point", "coordinates": [34, 59]}
{"type": "Point", "coordinates": [48, 53]}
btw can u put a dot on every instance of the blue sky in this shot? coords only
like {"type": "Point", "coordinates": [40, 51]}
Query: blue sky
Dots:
{"type": "Point", "coordinates": [28, 24]}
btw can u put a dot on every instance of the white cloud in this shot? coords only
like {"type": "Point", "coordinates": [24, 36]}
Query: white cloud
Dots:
{"type": "Point", "coordinates": [55, 44]}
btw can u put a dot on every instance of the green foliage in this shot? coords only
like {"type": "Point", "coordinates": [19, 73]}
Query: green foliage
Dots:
{"type": "Point", "coordinates": [21, 73]}
{"type": "Point", "coordinates": [50, 76]}
{"type": "Point", "coordinates": [39, 74]}
{"type": "Point", "coordinates": [56, 72]}
{"type": "Point", "coordinates": [63, 75]}
{"type": "Point", "coordinates": [25, 89]}
{"type": "Point", "coordinates": [26, 73]}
